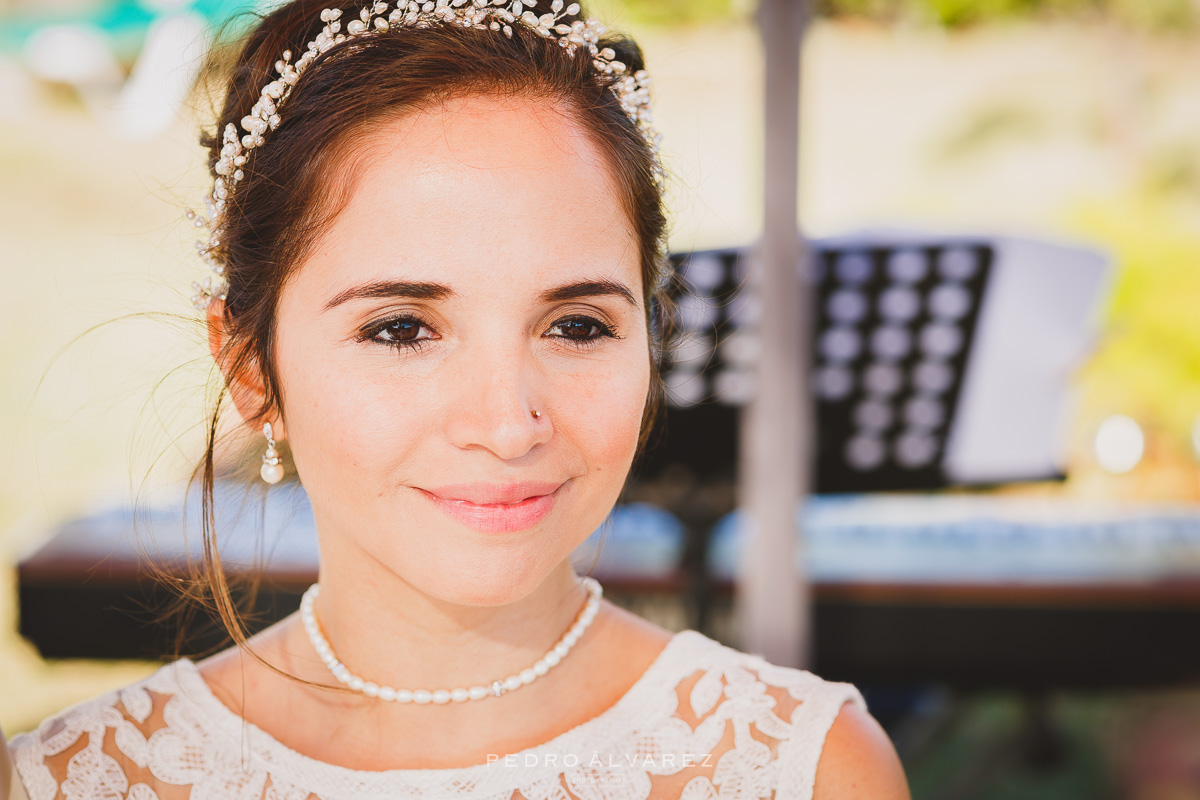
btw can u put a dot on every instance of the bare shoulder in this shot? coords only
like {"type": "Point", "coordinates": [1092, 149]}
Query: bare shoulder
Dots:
{"type": "Point", "coordinates": [629, 631]}
{"type": "Point", "coordinates": [859, 761]}
{"type": "Point", "coordinates": [622, 647]}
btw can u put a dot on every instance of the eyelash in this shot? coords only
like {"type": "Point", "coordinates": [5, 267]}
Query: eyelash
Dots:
{"type": "Point", "coordinates": [370, 334]}
{"type": "Point", "coordinates": [603, 330]}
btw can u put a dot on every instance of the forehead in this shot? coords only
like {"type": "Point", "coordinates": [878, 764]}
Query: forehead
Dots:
{"type": "Point", "coordinates": [478, 192]}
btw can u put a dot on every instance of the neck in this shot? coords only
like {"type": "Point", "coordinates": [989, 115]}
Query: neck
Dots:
{"type": "Point", "coordinates": [386, 630]}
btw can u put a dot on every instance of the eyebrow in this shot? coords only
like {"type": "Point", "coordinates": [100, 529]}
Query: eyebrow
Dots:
{"type": "Point", "coordinates": [413, 289]}
{"type": "Point", "coordinates": [420, 290]}
{"type": "Point", "coordinates": [574, 291]}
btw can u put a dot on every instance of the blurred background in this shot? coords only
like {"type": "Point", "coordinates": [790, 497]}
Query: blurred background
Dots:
{"type": "Point", "coordinates": [970, 124]}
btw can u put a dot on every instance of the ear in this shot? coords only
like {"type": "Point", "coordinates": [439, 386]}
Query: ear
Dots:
{"type": "Point", "coordinates": [246, 386]}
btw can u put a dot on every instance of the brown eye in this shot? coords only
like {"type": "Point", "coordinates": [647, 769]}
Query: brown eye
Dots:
{"type": "Point", "coordinates": [578, 329]}
{"type": "Point", "coordinates": [581, 330]}
{"type": "Point", "coordinates": [402, 330]}
{"type": "Point", "coordinates": [399, 332]}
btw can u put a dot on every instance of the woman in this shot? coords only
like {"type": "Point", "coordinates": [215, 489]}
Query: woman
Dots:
{"type": "Point", "coordinates": [438, 236]}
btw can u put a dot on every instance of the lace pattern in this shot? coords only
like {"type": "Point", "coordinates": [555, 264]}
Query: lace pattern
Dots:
{"type": "Point", "coordinates": [705, 721]}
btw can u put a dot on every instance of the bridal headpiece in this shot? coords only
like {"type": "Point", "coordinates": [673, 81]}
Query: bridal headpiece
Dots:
{"type": "Point", "coordinates": [631, 88]}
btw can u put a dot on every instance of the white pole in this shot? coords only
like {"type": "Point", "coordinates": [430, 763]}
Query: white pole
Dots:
{"type": "Point", "coordinates": [772, 605]}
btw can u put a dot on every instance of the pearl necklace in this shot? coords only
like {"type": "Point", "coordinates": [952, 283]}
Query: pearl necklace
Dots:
{"type": "Point", "coordinates": [497, 688]}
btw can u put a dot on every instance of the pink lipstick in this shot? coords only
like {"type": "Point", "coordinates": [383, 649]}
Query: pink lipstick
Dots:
{"type": "Point", "coordinates": [496, 507]}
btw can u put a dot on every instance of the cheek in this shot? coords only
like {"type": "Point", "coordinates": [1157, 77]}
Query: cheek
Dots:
{"type": "Point", "coordinates": [600, 411]}
{"type": "Point", "coordinates": [350, 417]}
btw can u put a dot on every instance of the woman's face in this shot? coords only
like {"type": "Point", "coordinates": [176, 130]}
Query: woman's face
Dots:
{"type": "Point", "coordinates": [481, 270]}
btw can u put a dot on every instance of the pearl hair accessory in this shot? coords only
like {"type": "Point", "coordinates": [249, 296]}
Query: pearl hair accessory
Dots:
{"type": "Point", "coordinates": [459, 695]}
{"type": "Point", "coordinates": [632, 89]}
{"type": "Point", "coordinates": [272, 469]}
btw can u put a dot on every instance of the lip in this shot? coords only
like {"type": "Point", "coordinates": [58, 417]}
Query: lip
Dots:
{"type": "Point", "coordinates": [496, 507]}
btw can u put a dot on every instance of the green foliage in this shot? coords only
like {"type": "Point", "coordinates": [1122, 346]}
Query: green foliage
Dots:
{"type": "Point", "coordinates": [990, 126]}
{"type": "Point", "coordinates": [953, 13]}
{"type": "Point", "coordinates": [1148, 363]}
{"type": "Point", "coordinates": [674, 13]}
{"type": "Point", "coordinates": [1145, 14]}
{"type": "Point", "coordinates": [944, 12]}
{"type": "Point", "coordinates": [1155, 15]}
{"type": "Point", "coordinates": [871, 9]}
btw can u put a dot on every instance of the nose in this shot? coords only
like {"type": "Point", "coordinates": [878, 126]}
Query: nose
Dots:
{"type": "Point", "coordinates": [493, 410]}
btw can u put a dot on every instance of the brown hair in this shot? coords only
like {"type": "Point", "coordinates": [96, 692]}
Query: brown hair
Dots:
{"type": "Point", "coordinates": [293, 185]}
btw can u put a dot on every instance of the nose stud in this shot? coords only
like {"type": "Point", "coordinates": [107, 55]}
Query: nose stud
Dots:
{"type": "Point", "coordinates": [537, 414]}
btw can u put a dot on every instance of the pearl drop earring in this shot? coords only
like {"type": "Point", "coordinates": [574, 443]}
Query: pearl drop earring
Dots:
{"type": "Point", "coordinates": [272, 470]}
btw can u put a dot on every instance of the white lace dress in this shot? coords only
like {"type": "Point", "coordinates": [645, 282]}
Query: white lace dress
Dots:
{"type": "Point", "coordinates": [703, 721]}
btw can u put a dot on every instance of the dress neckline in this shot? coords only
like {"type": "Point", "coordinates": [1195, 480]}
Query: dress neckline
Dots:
{"type": "Point", "coordinates": [641, 700]}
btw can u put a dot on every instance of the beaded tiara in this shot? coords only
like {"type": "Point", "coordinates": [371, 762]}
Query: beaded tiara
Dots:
{"type": "Point", "coordinates": [631, 88]}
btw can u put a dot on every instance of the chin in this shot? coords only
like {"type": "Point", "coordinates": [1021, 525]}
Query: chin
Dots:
{"type": "Point", "coordinates": [490, 578]}
{"type": "Point", "coordinates": [499, 591]}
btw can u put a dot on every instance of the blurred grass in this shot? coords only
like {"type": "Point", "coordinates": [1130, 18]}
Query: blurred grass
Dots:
{"type": "Point", "coordinates": [1133, 745]}
{"type": "Point", "coordinates": [990, 746]}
